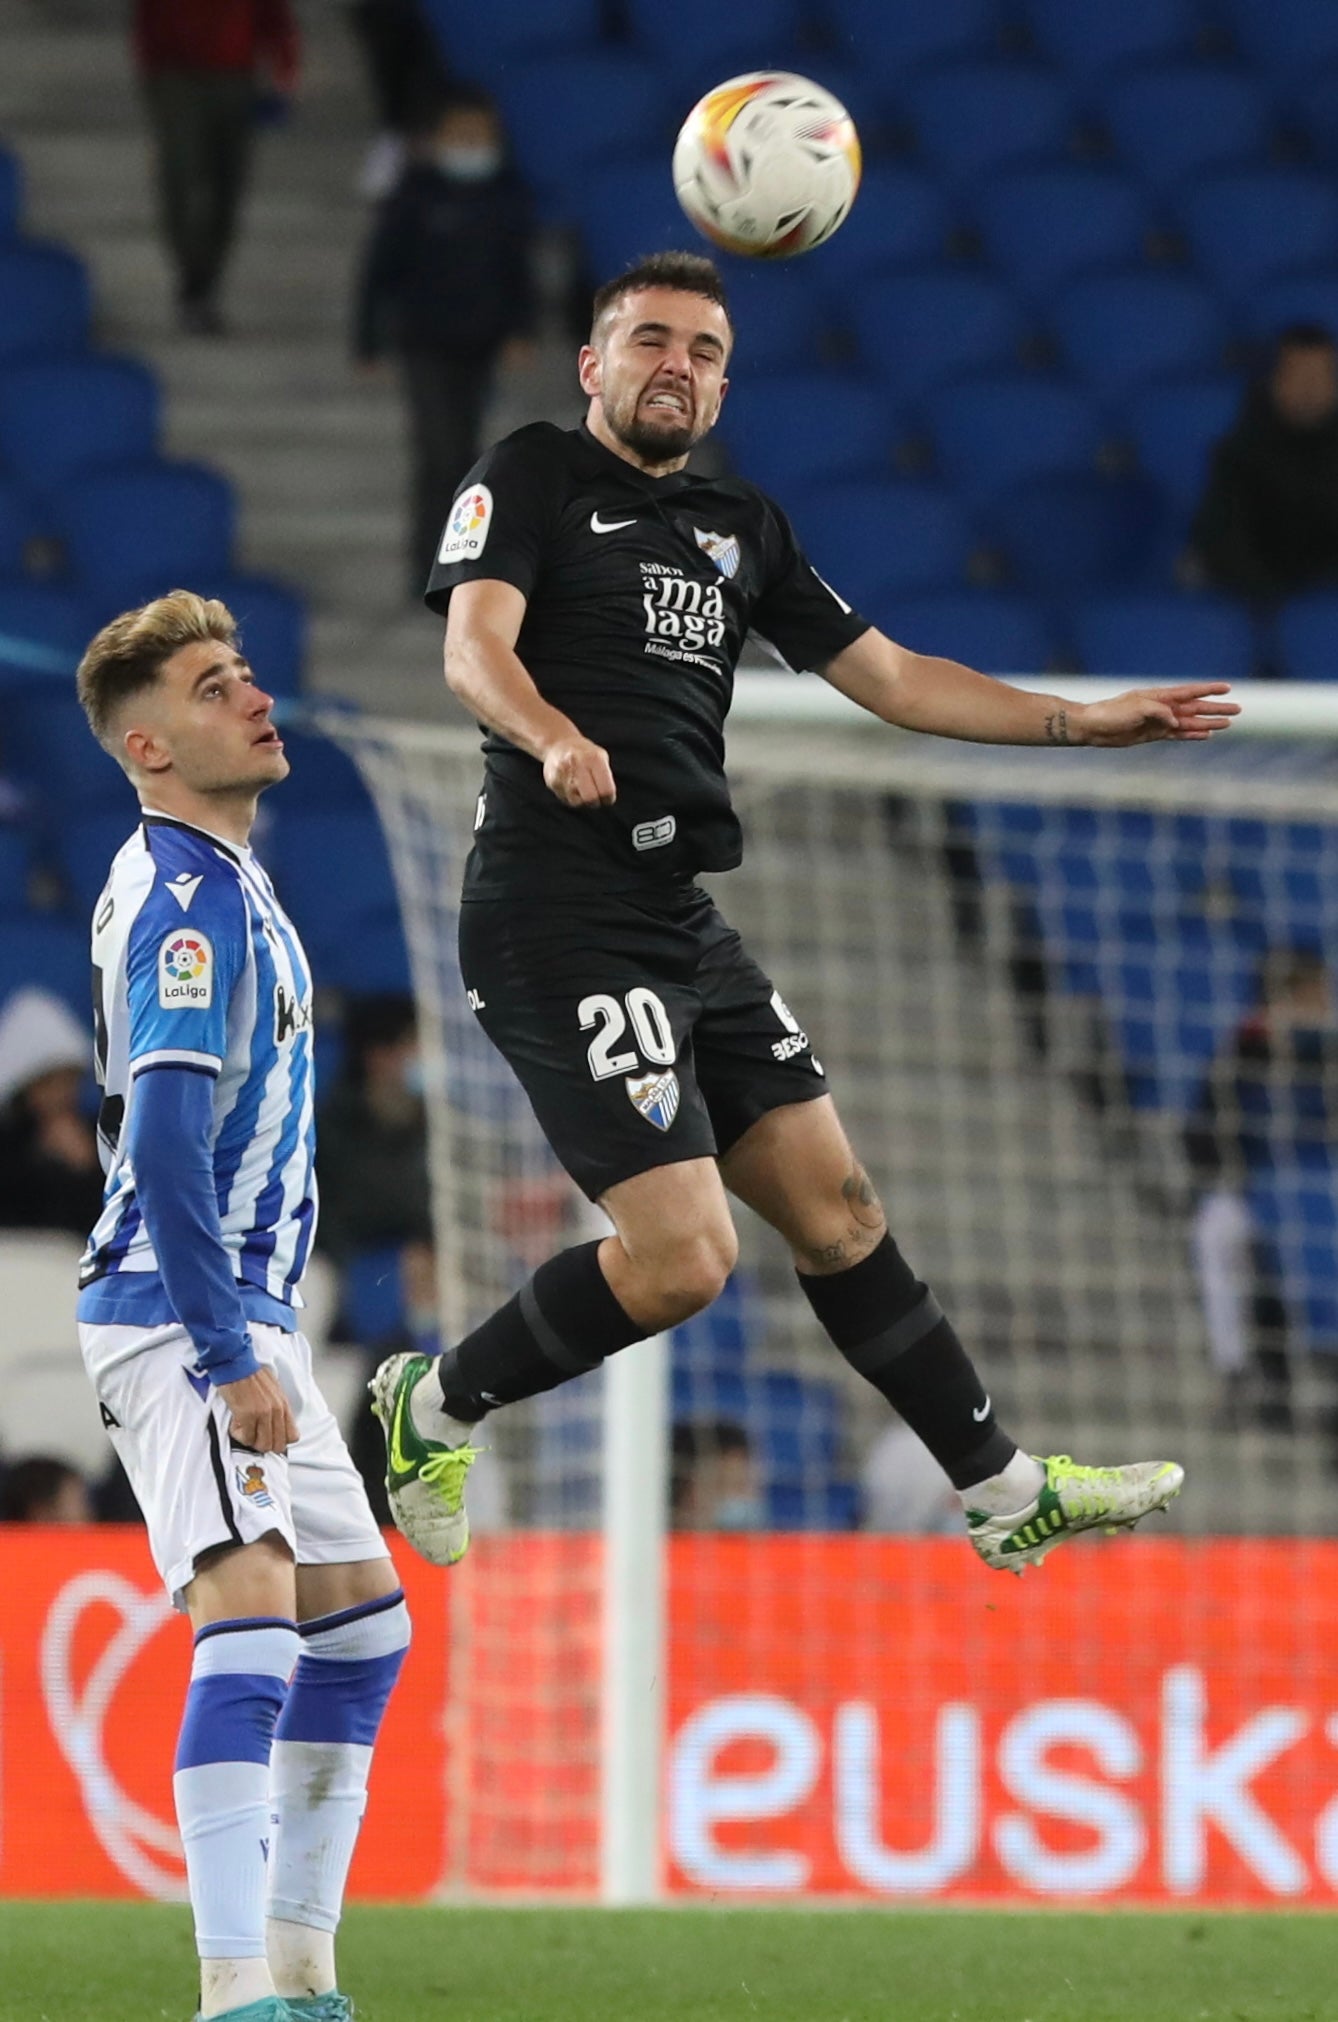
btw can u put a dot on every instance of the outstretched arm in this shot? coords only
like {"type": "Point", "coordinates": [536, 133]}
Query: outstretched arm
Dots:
{"type": "Point", "coordinates": [919, 692]}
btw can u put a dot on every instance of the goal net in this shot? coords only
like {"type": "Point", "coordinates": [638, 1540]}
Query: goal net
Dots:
{"type": "Point", "coordinates": [1075, 1011]}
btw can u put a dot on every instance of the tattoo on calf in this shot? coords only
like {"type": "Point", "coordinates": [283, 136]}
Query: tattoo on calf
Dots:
{"type": "Point", "coordinates": [858, 1194]}
{"type": "Point", "coordinates": [830, 1253]}
{"type": "Point", "coordinates": [1057, 726]}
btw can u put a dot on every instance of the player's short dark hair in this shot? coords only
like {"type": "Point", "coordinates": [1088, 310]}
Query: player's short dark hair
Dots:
{"type": "Point", "coordinates": [128, 655]}
{"type": "Point", "coordinates": [696, 1439]}
{"type": "Point", "coordinates": [690, 273]}
{"type": "Point", "coordinates": [1304, 337]}
{"type": "Point", "coordinates": [29, 1487]}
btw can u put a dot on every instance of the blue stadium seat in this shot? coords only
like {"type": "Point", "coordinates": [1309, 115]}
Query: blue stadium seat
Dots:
{"type": "Point", "coordinates": [890, 41]}
{"type": "Point", "coordinates": [722, 1336]}
{"type": "Point", "coordinates": [1171, 637]}
{"type": "Point", "coordinates": [59, 419]}
{"type": "Point", "coordinates": [323, 776]}
{"type": "Point", "coordinates": [1042, 226]}
{"type": "Point", "coordinates": [1175, 424]}
{"type": "Point", "coordinates": [999, 634]}
{"type": "Point", "coordinates": [824, 1506]}
{"type": "Point", "coordinates": [1248, 226]}
{"type": "Point", "coordinates": [1296, 298]}
{"type": "Point", "coordinates": [565, 112]}
{"type": "Point", "coordinates": [480, 41]}
{"type": "Point", "coordinates": [137, 529]}
{"type": "Point", "coordinates": [49, 748]}
{"type": "Point", "coordinates": [272, 628]}
{"type": "Point", "coordinates": [901, 218]}
{"type": "Point", "coordinates": [52, 954]}
{"type": "Point", "coordinates": [920, 329]}
{"type": "Point", "coordinates": [16, 857]}
{"type": "Point", "coordinates": [875, 541]}
{"type": "Point", "coordinates": [1315, 108]}
{"type": "Point", "coordinates": [44, 302]}
{"type": "Point", "coordinates": [84, 850]}
{"type": "Point", "coordinates": [18, 525]}
{"type": "Point", "coordinates": [1068, 533]}
{"type": "Point", "coordinates": [705, 43]}
{"type": "Point", "coordinates": [993, 431]}
{"type": "Point", "coordinates": [332, 873]}
{"type": "Point", "coordinates": [1288, 38]}
{"type": "Point", "coordinates": [780, 318]}
{"type": "Point", "coordinates": [1306, 634]}
{"type": "Point", "coordinates": [371, 1297]}
{"type": "Point", "coordinates": [1086, 41]}
{"type": "Point", "coordinates": [43, 631]}
{"type": "Point", "coordinates": [1184, 119]}
{"type": "Point", "coordinates": [793, 429]}
{"type": "Point", "coordinates": [11, 194]}
{"type": "Point", "coordinates": [626, 211]}
{"type": "Point", "coordinates": [972, 118]}
{"type": "Point", "coordinates": [1121, 330]}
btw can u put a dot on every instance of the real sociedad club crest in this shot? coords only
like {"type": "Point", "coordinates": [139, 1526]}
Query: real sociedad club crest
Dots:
{"type": "Point", "coordinates": [722, 548]}
{"type": "Point", "coordinates": [655, 1096]}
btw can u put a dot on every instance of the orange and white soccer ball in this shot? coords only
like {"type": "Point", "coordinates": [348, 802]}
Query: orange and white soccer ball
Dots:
{"type": "Point", "coordinates": [767, 164]}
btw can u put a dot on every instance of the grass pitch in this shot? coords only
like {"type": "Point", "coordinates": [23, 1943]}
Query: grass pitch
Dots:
{"type": "Point", "coordinates": [114, 1962]}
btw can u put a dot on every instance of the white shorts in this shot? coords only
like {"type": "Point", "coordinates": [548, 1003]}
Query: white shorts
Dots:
{"type": "Point", "coordinates": [170, 1428]}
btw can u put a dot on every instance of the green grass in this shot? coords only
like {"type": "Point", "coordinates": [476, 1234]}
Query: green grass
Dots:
{"type": "Point", "coordinates": [74, 1962]}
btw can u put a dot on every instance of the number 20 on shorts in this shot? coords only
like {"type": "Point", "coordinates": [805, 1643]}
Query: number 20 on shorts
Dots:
{"type": "Point", "coordinates": [649, 1021]}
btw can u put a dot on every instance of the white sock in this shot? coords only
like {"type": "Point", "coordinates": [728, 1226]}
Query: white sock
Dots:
{"type": "Point", "coordinates": [431, 1418]}
{"type": "Point", "coordinates": [1010, 1491]}
{"type": "Point", "coordinates": [226, 1984]}
{"type": "Point", "coordinates": [301, 1959]}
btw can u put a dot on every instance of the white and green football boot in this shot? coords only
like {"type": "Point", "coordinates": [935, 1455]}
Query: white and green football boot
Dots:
{"type": "Point", "coordinates": [1073, 1499]}
{"type": "Point", "coordinates": [425, 1479]}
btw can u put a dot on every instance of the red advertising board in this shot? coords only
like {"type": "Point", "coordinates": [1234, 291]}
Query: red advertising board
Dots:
{"type": "Point", "coordinates": [1152, 1721]}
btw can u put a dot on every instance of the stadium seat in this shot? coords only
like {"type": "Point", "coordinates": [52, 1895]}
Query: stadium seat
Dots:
{"type": "Point", "coordinates": [50, 750]}
{"type": "Point", "coordinates": [780, 318]}
{"type": "Point", "coordinates": [901, 218]}
{"type": "Point", "coordinates": [11, 194]}
{"type": "Point", "coordinates": [709, 43]}
{"type": "Point", "coordinates": [1184, 119]}
{"type": "Point", "coordinates": [84, 850]}
{"type": "Point", "coordinates": [1121, 330]}
{"type": "Point", "coordinates": [18, 526]}
{"type": "Point", "coordinates": [1069, 533]}
{"type": "Point", "coordinates": [371, 1297]}
{"type": "Point", "coordinates": [920, 329]}
{"type": "Point", "coordinates": [1296, 298]}
{"type": "Point", "coordinates": [272, 628]}
{"type": "Point", "coordinates": [788, 430]}
{"type": "Point", "coordinates": [44, 303]}
{"type": "Point", "coordinates": [1175, 425]}
{"type": "Point", "coordinates": [999, 634]}
{"type": "Point", "coordinates": [130, 530]}
{"type": "Point", "coordinates": [1043, 226]}
{"type": "Point", "coordinates": [1287, 38]}
{"type": "Point", "coordinates": [66, 417]}
{"type": "Point", "coordinates": [625, 209]}
{"type": "Point", "coordinates": [875, 541]}
{"type": "Point", "coordinates": [1086, 41]}
{"type": "Point", "coordinates": [1247, 226]}
{"type": "Point", "coordinates": [1172, 637]}
{"type": "Point", "coordinates": [972, 118]}
{"type": "Point", "coordinates": [478, 41]}
{"type": "Point", "coordinates": [16, 856]}
{"type": "Point", "coordinates": [52, 954]}
{"type": "Point", "coordinates": [722, 1336]}
{"type": "Point", "coordinates": [1314, 105]}
{"type": "Point", "coordinates": [993, 431]}
{"type": "Point", "coordinates": [564, 112]}
{"type": "Point", "coordinates": [332, 874]}
{"type": "Point", "coordinates": [820, 1506]}
{"type": "Point", "coordinates": [322, 775]}
{"type": "Point", "coordinates": [891, 41]}
{"type": "Point", "coordinates": [43, 631]}
{"type": "Point", "coordinates": [1306, 637]}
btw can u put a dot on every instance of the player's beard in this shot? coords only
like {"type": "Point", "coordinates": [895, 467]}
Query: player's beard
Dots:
{"type": "Point", "coordinates": [653, 443]}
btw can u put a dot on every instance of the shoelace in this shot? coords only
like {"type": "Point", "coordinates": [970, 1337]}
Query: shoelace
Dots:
{"type": "Point", "coordinates": [446, 1472]}
{"type": "Point", "coordinates": [1089, 1482]}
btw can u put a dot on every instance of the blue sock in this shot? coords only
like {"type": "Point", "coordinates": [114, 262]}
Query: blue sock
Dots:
{"type": "Point", "coordinates": [239, 1675]}
{"type": "Point", "coordinates": [318, 1778]}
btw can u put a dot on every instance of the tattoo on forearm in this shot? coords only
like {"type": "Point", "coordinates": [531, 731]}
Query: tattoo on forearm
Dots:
{"type": "Point", "coordinates": [1057, 727]}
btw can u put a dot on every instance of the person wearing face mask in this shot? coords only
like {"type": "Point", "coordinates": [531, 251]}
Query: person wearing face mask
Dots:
{"type": "Point", "coordinates": [446, 288]}
{"type": "Point", "coordinates": [713, 1483]}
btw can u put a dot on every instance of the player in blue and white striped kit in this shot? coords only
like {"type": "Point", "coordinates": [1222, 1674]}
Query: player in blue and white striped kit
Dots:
{"type": "Point", "coordinates": [188, 1319]}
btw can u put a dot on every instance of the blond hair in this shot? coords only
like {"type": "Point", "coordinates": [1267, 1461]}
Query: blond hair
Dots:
{"type": "Point", "coordinates": [128, 654]}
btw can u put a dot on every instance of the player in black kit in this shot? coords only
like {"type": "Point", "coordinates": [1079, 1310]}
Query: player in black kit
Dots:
{"type": "Point", "coordinates": [597, 596]}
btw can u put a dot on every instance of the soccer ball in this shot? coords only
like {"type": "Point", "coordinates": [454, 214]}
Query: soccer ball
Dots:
{"type": "Point", "coordinates": [767, 164]}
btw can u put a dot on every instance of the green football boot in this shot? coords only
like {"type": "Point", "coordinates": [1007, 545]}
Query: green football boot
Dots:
{"type": "Point", "coordinates": [320, 2007]}
{"type": "Point", "coordinates": [425, 1480]}
{"type": "Point", "coordinates": [1073, 1499]}
{"type": "Point", "coordinates": [270, 2009]}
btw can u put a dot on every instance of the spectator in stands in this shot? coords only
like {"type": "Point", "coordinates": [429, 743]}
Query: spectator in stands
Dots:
{"type": "Point", "coordinates": [712, 1480]}
{"type": "Point", "coordinates": [210, 68]}
{"type": "Point", "coordinates": [373, 1136]}
{"type": "Point", "coordinates": [1269, 1101]}
{"type": "Point", "coordinates": [408, 80]}
{"type": "Point", "coordinates": [41, 1490]}
{"type": "Point", "coordinates": [50, 1177]}
{"type": "Point", "coordinates": [1267, 526]}
{"type": "Point", "coordinates": [446, 287]}
{"type": "Point", "coordinates": [906, 1492]}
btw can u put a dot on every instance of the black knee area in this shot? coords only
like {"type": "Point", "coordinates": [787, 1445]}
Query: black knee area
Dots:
{"type": "Point", "coordinates": [564, 1322]}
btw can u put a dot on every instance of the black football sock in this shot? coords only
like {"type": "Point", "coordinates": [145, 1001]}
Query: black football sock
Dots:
{"type": "Point", "coordinates": [891, 1328]}
{"type": "Point", "coordinates": [564, 1322]}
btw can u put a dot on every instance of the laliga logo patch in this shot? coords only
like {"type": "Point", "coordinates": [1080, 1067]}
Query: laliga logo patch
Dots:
{"type": "Point", "coordinates": [655, 1096]}
{"type": "Point", "coordinates": [251, 1482]}
{"type": "Point", "coordinates": [467, 527]}
{"type": "Point", "coordinates": [185, 972]}
{"type": "Point", "coordinates": [723, 550]}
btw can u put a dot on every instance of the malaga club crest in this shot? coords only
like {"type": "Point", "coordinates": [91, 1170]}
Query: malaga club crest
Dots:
{"type": "Point", "coordinates": [655, 1096]}
{"type": "Point", "coordinates": [723, 550]}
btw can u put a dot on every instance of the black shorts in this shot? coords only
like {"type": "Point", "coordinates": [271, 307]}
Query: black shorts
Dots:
{"type": "Point", "coordinates": [640, 1029]}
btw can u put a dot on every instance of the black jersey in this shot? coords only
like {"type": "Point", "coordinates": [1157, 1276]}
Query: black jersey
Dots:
{"type": "Point", "coordinates": [640, 593]}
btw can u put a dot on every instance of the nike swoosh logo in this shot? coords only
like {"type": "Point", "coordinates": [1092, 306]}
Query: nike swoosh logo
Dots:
{"type": "Point", "coordinates": [399, 1465]}
{"type": "Point", "coordinates": [983, 1413]}
{"type": "Point", "coordinates": [599, 526]}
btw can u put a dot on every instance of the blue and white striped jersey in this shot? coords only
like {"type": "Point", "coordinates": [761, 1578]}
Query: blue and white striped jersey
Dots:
{"type": "Point", "coordinates": [196, 966]}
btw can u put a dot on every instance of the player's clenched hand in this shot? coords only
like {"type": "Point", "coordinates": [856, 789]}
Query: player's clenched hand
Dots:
{"type": "Point", "coordinates": [261, 1416]}
{"type": "Point", "coordinates": [1186, 714]}
{"type": "Point", "coordinates": [579, 773]}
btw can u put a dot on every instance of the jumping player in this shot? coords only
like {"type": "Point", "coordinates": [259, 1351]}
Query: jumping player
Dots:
{"type": "Point", "coordinates": [258, 1521]}
{"type": "Point", "coordinates": [597, 597]}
